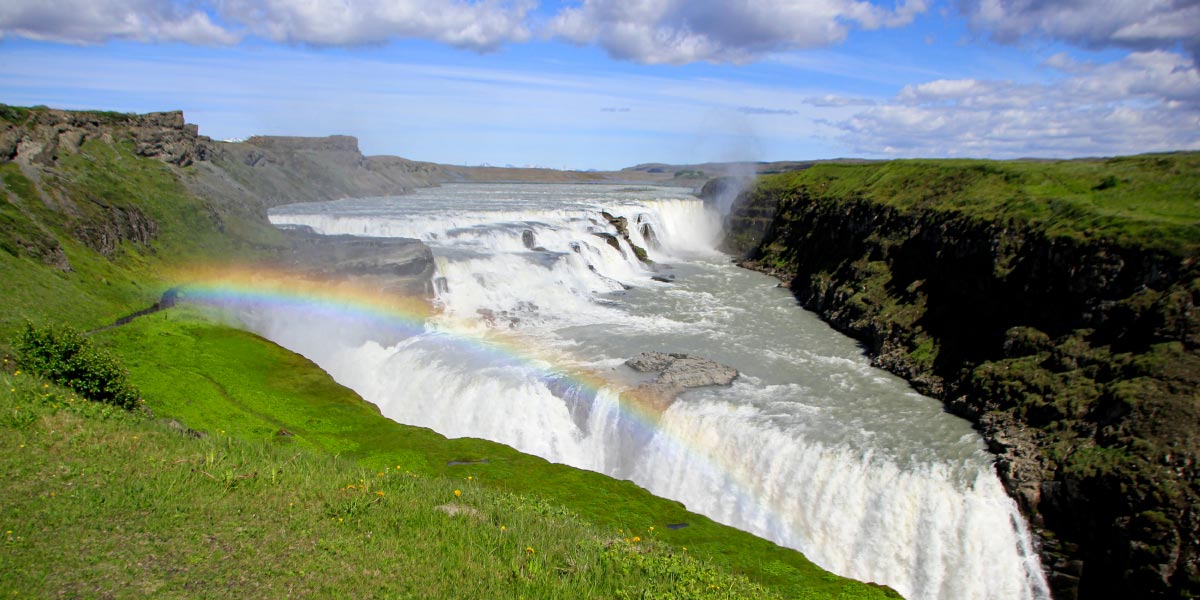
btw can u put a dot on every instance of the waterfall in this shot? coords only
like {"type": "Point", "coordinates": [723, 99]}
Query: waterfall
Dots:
{"type": "Point", "coordinates": [812, 448]}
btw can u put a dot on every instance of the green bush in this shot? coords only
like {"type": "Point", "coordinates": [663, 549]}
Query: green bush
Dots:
{"type": "Point", "coordinates": [62, 355]}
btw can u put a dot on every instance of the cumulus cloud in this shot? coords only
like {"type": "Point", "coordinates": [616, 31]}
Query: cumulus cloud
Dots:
{"type": "Point", "coordinates": [97, 21]}
{"type": "Point", "coordinates": [484, 25]}
{"type": "Point", "coordinates": [1144, 102]}
{"type": "Point", "coordinates": [685, 31]}
{"type": "Point", "coordinates": [1132, 24]}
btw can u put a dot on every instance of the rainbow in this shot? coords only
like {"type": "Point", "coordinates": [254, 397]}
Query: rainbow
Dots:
{"type": "Point", "coordinates": [242, 288]}
{"type": "Point", "coordinates": [352, 302]}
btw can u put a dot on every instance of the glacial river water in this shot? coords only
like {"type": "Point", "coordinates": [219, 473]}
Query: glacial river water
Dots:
{"type": "Point", "coordinates": [811, 447]}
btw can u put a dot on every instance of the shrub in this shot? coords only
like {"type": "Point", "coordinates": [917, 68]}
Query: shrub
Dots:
{"type": "Point", "coordinates": [63, 355]}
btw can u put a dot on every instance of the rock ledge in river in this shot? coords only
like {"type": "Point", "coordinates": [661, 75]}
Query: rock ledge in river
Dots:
{"type": "Point", "coordinates": [677, 372]}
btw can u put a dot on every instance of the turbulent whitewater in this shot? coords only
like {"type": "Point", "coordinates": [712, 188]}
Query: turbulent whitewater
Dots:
{"type": "Point", "coordinates": [811, 448]}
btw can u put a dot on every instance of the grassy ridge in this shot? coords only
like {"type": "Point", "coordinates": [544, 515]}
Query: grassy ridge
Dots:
{"type": "Point", "coordinates": [104, 503]}
{"type": "Point", "coordinates": [1132, 200]}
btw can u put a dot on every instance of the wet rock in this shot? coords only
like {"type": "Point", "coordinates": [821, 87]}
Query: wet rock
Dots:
{"type": "Point", "coordinates": [622, 226]}
{"type": "Point", "coordinates": [652, 361]}
{"type": "Point", "coordinates": [649, 235]}
{"type": "Point", "coordinates": [676, 373]}
{"type": "Point", "coordinates": [529, 239]}
{"type": "Point", "coordinates": [611, 240]}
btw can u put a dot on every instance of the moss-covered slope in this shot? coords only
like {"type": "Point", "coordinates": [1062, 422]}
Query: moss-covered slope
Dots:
{"type": "Point", "coordinates": [1053, 303]}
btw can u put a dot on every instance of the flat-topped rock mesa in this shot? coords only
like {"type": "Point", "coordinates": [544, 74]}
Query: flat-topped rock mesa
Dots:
{"type": "Point", "coordinates": [285, 170]}
{"type": "Point", "coordinates": [676, 373]}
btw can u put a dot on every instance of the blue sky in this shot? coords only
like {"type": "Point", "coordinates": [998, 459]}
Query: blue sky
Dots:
{"type": "Point", "coordinates": [608, 83]}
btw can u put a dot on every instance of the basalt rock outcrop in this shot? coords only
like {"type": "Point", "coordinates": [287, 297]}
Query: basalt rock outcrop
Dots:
{"type": "Point", "coordinates": [1071, 344]}
{"type": "Point", "coordinates": [41, 136]}
{"type": "Point", "coordinates": [676, 373]}
{"type": "Point", "coordinates": [622, 226]}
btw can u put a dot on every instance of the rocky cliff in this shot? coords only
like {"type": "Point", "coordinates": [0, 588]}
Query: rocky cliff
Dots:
{"type": "Point", "coordinates": [1057, 306]}
{"type": "Point", "coordinates": [81, 174]}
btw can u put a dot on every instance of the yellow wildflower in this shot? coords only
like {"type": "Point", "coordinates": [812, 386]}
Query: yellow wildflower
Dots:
{"type": "Point", "coordinates": [503, 528]}
{"type": "Point", "coordinates": [457, 492]}
{"type": "Point", "coordinates": [379, 492]}
{"type": "Point", "coordinates": [636, 539]}
{"type": "Point", "coordinates": [528, 550]}
{"type": "Point", "coordinates": [651, 528]}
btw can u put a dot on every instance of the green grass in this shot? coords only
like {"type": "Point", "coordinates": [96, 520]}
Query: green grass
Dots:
{"type": "Point", "coordinates": [1147, 200]}
{"type": "Point", "coordinates": [104, 503]}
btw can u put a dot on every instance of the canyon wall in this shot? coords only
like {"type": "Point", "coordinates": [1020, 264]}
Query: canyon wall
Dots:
{"type": "Point", "coordinates": [1063, 323]}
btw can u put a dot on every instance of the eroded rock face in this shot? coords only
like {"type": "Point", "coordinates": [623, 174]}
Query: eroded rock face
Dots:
{"type": "Point", "coordinates": [677, 372]}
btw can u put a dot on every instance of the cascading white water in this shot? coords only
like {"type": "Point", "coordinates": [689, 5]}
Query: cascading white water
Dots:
{"type": "Point", "coordinates": [811, 448]}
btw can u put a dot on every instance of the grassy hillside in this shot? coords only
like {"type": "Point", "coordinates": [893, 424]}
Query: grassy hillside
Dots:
{"type": "Point", "coordinates": [102, 503]}
{"type": "Point", "coordinates": [280, 494]}
{"type": "Point", "coordinates": [1148, 200]}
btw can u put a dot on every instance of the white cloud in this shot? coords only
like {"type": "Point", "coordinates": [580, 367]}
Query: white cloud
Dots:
{"type": "Point", "coordinates": [97, 21]}
{"type": "Point", "coordinates": [1144, 102]}
{"type": "Point", "coordinates": [482, 26]}
{"type": "Point", "coordinates": [684, 31]}
{"type": "Point", "coordinates": [1133, 24]}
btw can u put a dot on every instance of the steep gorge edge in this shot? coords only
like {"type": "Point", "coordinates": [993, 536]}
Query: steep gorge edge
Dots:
{"type": "Point", "coordinates": [1075, 353]}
